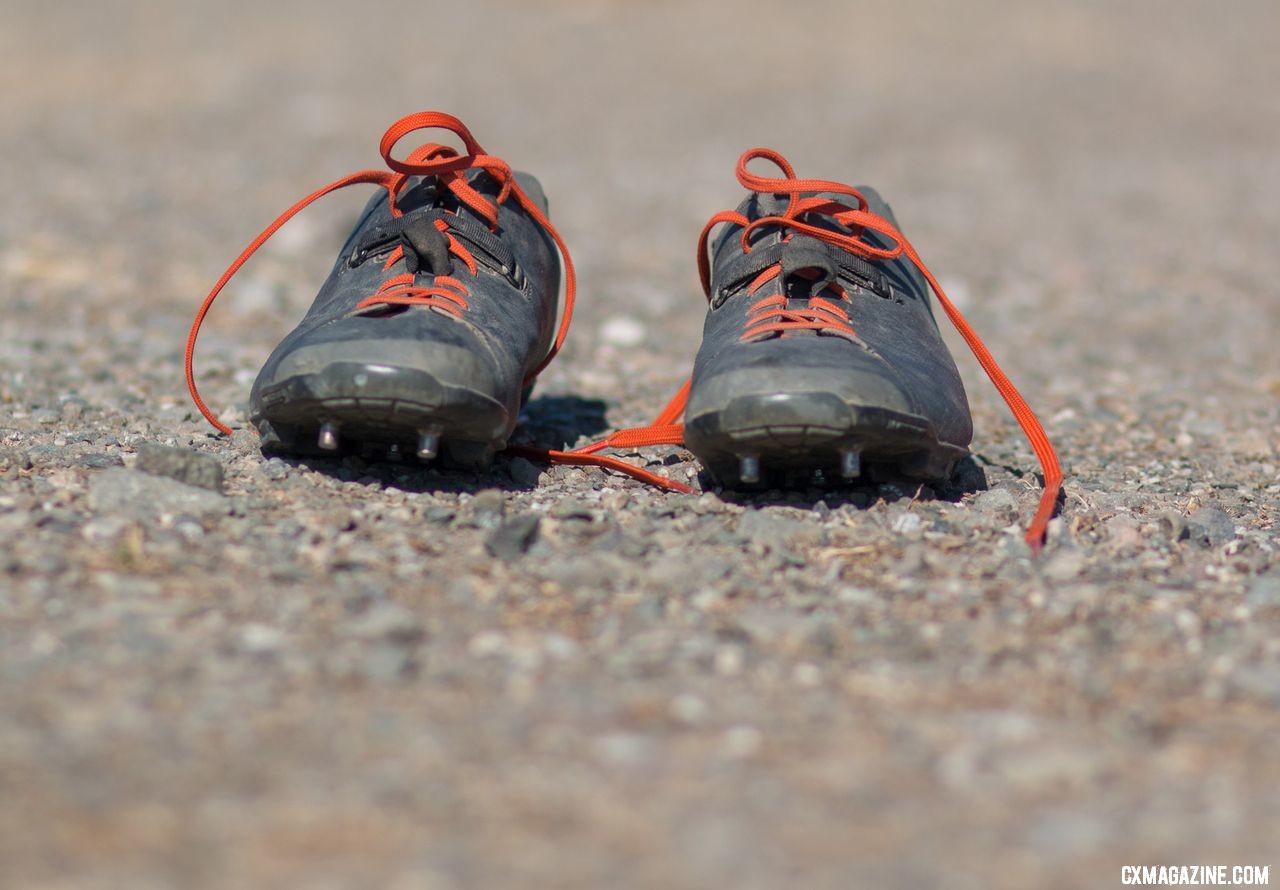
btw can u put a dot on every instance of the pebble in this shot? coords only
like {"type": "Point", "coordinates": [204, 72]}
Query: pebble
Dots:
{"type": "Point", "coordinates": [907, 524]}
{"type": "Point", "coordinates": [385, 664]}
{"type": "Point", "coordinates": [1264, 592]}
{"type": "Point", "coordinates": [139, 496]}
{"type": "Point", "coordinates": [996, 502]}
{"type": "Point", "coordinates": [622, 330]}
{"type": "Point", "coordinates": [1210, 527]}
{"type": "Point", "coordinates": [260, 639]}
{"type": "Point", "coordinates": [689, 709]}
{"type": "Point", "coordinates": [513, 538]}
{"type": "Point", "coordinates": [740, 742]}
{"type": "Point", "coordinates": [387, 621]}
{"type": "Point", "coordinates": [525, 472]}
{"type": "Point", "coordinates": [184, 465]}
{"type": "Point", "coordinates": [485, 510]}
{"type": "Point", "coordinates": [766, 528]}
{"type": "Point", "coordinates": [16, 458]}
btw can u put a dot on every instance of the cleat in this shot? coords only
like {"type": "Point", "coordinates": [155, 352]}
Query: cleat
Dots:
{"type": "Point", "coordinates": [850, 464]}
{"type": "Point", "coordinates": [327, 440]}
{"type": "Point", "coordinates": [428, 444]}
{"type": "Point", "coordinates": [442, 308]}
{"type": "Point", "coordinates": [749, 469]}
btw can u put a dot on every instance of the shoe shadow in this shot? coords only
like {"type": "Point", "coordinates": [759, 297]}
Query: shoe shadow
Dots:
{"type": "Point", "coordinates": [560, 421]}
{"type": "Point", "coordinates": [880, 484]}
{"type": "Point", "coordinates": [554, 422]}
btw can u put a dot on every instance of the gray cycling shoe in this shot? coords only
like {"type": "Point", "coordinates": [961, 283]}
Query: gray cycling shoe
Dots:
{"type": "Point", "coordinates": [820, 352]}
{"type": "Point", "coordinates": [439, 311]}
{"type": "Point", "coordinates": [820, 355]}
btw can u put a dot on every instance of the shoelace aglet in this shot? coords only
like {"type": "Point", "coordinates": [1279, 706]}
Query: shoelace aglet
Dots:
{"type": "Point", "coordinates": [1038, 531]}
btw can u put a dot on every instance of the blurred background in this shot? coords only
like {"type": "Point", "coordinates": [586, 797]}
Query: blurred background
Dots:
{"type": "Point", "coordinates": [1094, 182]}
{"type": "Point", "coordinates": [1067, 167]}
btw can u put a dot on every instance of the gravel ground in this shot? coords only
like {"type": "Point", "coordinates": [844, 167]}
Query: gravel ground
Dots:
{"type": "Point", "coordinates": [223, 671]}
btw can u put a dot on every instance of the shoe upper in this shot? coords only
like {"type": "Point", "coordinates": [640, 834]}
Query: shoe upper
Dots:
{"type": "Point", "coordinates": [823, 320]}
{"type": "Point", "coordinates": [489, 327]}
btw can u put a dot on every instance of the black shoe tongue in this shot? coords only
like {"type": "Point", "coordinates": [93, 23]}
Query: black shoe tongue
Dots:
{"type": "Point", "coordinates": [809, 260]}
{"type": "Point", "coordinates": [425, 245]}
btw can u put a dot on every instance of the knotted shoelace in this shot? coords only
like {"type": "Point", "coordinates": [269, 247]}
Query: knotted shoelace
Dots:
{"type": "Point", "coordinates": [769, 316]}
{"type": "Point", "coordinates": [446, 293]}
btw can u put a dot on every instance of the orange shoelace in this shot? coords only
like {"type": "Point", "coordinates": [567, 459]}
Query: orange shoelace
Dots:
{"type": "Point", "coordinates": [770, 315]}
{"type": "Point", "coordinates": [446, 293]}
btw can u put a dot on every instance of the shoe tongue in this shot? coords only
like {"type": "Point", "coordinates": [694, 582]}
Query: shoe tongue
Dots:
{"type": "Point", "coordinates": [809, 259]}
{"type": "Point", "coordinates": [757, 205]}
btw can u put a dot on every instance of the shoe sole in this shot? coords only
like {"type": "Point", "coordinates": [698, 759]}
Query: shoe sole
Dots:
{"type": "Point", "coordinates": [381, 412]}
{"type": "Point", "coordinates": [764, 441]}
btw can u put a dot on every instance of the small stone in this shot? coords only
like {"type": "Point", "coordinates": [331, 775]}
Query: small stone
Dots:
{"type": "Point", "coordinates": [439, 514]}
{"type": "Point", "coordinates": [1264, 593]}
{"type": "Point", "coordinates": [388, 621]}
{"type": "Point", "coordinates": [707, 600]}
{"type": "Point", "coordinates": [260, 639]}
{"type": "Point", "coordinates": [616, 501]}
{"type": "Point", "coordinates": [513, 538]}
{"type": "Point", "coordinates": [622, 330]}
{"type": "Point", "coordinates": [764, 527]}
{"type": "Point", "coordinates": [101, 461]}
{"type": "Point", "coordinates": [104, 530]}
{"type": "Point", "coordinates": [742, 741]}
{"type": "Point", "coordinates": [997, 502]}
{"type": "Point", "coordinates": [186, 466]}
{"type": "Point", "coordinates": [1064, 564]}
{"type": "Point", "coordinates": [16, 458]}
{"type": "Point", "coordinates": [624, 748]}
{"type": "Point", "coordinates": [560, 647]}
{"type": "Point", "coordinates": [138, 496]}
{"type": "Point", "coordinates": [568, 509]}
{"type": "Point", "coordinates": [189, 528]}
{"type": "Point", "coordinates": [487, 644]}
{"type": "Point", "coordinates": [274, 469]}
{"type": "Point", "coordinates": [1174, 526]}
{"type": "Point", "coordinates": [688, 709]}
{"type": "Point", "coordinates": [709, 504]}
{"type": "Point", "coordinates": [485, 510]}
{"type": "Point", "coordinates": [1122, 530]}
{"type": "Point", "coordinates": [524, 472]}
{"type": "Point", "coordinates": [245, 440]}
{"type": "Point", "coordinates": [1258, 681]}
{"type": "Point", "coordinates": [807, 674]}
{"type": "Point", "coordinates": [1210, 527]}
{"type": "Point", "coordinates": [386, 664]}
{"type": "Point", "coordinates": [907, 524]}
